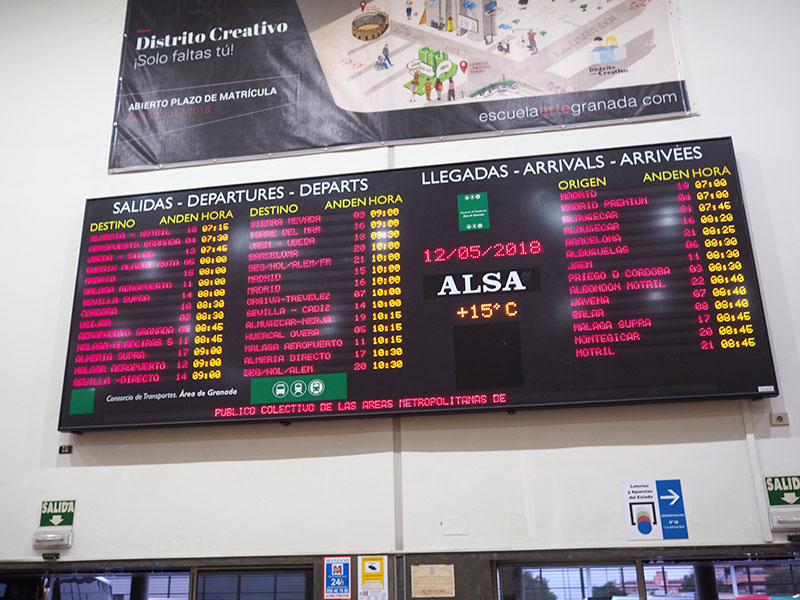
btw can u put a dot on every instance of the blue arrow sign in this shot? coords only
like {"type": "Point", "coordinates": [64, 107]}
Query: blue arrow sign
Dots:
{"type": "Point", "coordinates": [670, 507]}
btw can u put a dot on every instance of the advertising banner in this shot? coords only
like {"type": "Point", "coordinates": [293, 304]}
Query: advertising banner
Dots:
{"type": "Point", "coordinates": [230, 80]}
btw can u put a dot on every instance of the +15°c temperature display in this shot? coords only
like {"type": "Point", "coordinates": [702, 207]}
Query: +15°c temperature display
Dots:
{"type": "Point", "coordinates": [619, 275]}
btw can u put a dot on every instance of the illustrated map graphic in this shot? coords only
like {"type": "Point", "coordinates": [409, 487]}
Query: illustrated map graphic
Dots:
{"type": "Point", "coordinates": [388, 54]}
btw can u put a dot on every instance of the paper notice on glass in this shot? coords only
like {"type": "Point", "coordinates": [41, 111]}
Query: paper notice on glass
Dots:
{"type": "Point", "coordinates": [373, 578]}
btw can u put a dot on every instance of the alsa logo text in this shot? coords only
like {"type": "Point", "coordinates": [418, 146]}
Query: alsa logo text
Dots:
{"type": "Point", "coordinates": [482, 283]}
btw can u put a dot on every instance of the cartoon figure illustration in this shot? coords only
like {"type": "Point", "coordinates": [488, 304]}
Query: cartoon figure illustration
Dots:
{"type": "Point", "coordinates": [613, 51]}
{"type": "Point", "coordinates": [608, 52]}
{"type": "Point", "coordinates": [532, 42]}
{"type": "Point", "coordinates": [487, 45]}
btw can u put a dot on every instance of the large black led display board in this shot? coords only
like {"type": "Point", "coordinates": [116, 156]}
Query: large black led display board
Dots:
{"type": "Point", "coordinates": [618, 275]}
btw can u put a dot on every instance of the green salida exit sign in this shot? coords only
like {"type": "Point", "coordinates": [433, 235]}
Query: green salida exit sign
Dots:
{"type": "Point", "coordinates": [57, 513]}
{"type": "Point", "coordinates": [783, 491]}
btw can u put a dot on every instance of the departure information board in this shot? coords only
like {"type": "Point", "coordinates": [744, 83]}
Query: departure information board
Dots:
{"type": "Point", "coordinates": [620, 275]}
